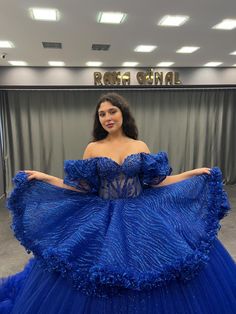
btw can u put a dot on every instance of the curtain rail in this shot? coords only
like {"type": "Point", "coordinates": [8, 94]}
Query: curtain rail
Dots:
{"type": "Point", "coordinates": [226, 87]}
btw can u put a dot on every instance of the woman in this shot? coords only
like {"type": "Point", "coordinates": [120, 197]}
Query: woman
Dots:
{"type": "Point", "coordinates": [119, 234]}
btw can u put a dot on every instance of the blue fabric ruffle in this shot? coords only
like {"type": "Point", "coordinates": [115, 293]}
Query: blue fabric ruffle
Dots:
{"type": "Point", "coordinates": [82, 174]}
{"type": "Point", "coordinates": [155, 168]}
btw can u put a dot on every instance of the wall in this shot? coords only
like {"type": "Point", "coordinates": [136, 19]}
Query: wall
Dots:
{"type": "Point", "coordinates": [44, 76]}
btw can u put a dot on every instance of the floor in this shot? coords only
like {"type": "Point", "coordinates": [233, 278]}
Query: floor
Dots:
{"type": "Point", "coordinates": [13, 256]}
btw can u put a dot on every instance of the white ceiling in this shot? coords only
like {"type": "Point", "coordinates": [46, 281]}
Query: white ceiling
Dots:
{"type": "Point", "coordinates": [77, 30]}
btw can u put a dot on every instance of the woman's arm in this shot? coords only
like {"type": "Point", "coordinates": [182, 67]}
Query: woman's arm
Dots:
{"type": "Point", "coordinates": [182, 176]}
{"type": "Point", "coordinates": [178, 177]}
{"type": "Point", "coordinates": [49, 179]}
{"type": "Point", "coordinates": [58, 181]}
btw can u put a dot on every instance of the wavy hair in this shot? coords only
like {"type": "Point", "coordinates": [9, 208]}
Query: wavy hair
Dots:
{"type": "Point", "coordinates": [129, 126]}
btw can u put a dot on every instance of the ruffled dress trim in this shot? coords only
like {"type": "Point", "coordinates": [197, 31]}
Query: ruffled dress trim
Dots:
{"type": "Point", "coordinates": [82, 174]}
{"type": "Point", "coordinates": [155, 168]}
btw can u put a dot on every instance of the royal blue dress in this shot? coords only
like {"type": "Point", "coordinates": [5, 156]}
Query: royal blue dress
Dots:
{"type": "Point", "coordinates": [121, 245]}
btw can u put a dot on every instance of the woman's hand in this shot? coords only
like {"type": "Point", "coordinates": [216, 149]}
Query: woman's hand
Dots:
{"type": "Point", "coordinates": [37, 175]}
{"type": "Point", "coordinates": [199, 171]}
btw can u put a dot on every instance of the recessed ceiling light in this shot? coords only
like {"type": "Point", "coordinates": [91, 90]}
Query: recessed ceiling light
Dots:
{"type": "Point", "coordinates": [212, 64]}
{"type": "Point", "coordinates": [187, 49]}
{"type": "Point", "coordinates": [129, 64]}
{"type": "Point", "coordinates": [173, 20]}
{"type": "Point", "coordinates": [93, 63]}
{"type": "Point", "coordinates": [233, 53]}
{"type": "Point", "coordinates": [111, 17]}
{"type": "Point", "coordinates": [18, 63]}
{"type": "Point", "coordinates": [44, 14]}
{"type": "Point", "coordinates": [145, 48]}
{"type": "Point", "coordinates": [165, 64]}
{"type": "Point", "coordinates": [56, 63]}
{"type": "Point", "coordinates": [6, 44]}
{"type": "Point", "coordinates": [226, 24]}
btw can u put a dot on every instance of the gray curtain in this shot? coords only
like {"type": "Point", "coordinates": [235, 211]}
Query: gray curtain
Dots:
{"type": "Point", "coordinates": [3, 105]}
{"type": "Point", "coordinates": [41, 128]}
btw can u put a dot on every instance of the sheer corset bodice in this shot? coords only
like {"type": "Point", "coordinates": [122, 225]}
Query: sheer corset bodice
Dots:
{"type": "Point", "coordinates": [110, 180]}
{"type": "Point", "coordinates": [121, 186]}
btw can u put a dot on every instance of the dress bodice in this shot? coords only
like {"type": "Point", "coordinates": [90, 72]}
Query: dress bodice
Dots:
{"type": "Point", "coordinates": [110, 180]}
{"type": "Point", "coordinates": [119, 181]}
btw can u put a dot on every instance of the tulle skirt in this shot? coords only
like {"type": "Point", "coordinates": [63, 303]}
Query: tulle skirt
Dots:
{"type": "Point", "coordinates": [213, 290]}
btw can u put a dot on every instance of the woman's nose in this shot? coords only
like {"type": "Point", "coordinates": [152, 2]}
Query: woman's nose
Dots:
{"type": "Point", "coordinates": [108, 116]}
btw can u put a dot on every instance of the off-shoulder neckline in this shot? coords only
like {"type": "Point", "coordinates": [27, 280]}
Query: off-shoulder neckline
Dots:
{"type": "Point", "coordinates": [124, 160]}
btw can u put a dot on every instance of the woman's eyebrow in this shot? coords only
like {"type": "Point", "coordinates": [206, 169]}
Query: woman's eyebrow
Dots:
{"type": "Point", "coordinates": [99, 111]}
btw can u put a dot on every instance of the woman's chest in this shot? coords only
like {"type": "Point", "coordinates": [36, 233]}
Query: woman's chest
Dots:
{"type": "Point", "coordinates": [118, 153]}
{"type": "Point", "coordinates": [107, 167]}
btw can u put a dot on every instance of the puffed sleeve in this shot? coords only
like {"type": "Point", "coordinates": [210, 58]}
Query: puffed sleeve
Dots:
{"type": "Point", "coordinates": [154, 168]}
{"type": "Point", "coordinates": [82, 174]}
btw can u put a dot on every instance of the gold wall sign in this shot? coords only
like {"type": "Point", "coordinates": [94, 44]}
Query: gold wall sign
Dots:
{"type": "Point", "coordinates": [111, 78]}
{"type": "Point", "coordinates": [149, 77]}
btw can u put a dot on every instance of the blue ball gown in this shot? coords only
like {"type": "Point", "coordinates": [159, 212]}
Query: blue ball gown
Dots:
{"type": "Point", "coordinates": [121, 245]}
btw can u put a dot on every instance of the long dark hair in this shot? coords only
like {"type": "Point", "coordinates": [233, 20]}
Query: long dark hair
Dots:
{"type": "Point", "coordinates": [129, 126]}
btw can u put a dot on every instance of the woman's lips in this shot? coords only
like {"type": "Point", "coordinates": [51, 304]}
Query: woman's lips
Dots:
{"type": "Point", "coordinates": [110, 125]}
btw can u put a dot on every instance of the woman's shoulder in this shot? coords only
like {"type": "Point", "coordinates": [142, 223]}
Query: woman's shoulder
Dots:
{"type": "Point", "coordinates": [93, 149]}
{"type": "Point", "coordinates": [142, 146]}
{"type": "Point", "coordinates": [89, 150]}
{"type": "Point", "coordinates": [97, 148]}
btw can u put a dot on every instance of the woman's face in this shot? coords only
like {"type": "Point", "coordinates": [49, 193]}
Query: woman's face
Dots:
{"type": "Point", "coordinates": [110, 117]}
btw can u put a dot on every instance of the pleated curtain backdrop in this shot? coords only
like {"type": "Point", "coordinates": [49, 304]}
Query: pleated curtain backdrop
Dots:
{"type": "Point", "coordinates": [3, 104]}
{"type": "Point", "coordinates": [42, 128]}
